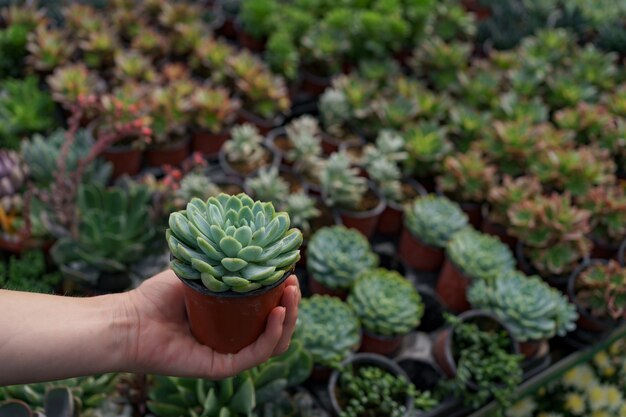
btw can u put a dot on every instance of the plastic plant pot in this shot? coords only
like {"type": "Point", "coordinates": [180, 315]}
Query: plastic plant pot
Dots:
{"type": "Point", "coordinates": [365, 222]}
{"type": "Point", "coordinates": [125, 160]}
{"type": "Point", "coordinates": [382, 345]}
{"type": "Point", "coordinates": [264, 125]}
{"type": "Point", "coordinates": [418, 255]}
{"type": "Point", "coordinates": [318, 288]}
{"type": "Point", "coordinates": [452, 287]}
{"type": "Point", "coordinates": [229, 321]}
{"type": "Point", "coordinates": [174, 154]}
{"type": "Point", "coordinates": [208, 143]}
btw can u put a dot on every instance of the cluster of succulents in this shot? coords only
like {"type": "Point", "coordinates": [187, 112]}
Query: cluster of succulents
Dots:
{"type": "Point", "coordinates": [342, 186]}
{"type": "Point", "coordinates": [601, 289]}
{"type": "Point", "coordinates": [531, 309]}
{"type": "Point", "coordinates": [607, 205]}
{"type": "Point", "coordinates": [245, 147]}
{"type": "Point", "coordinates": [337, 255]}
{"type": "Point", "coordinates": [467, 177]}
{"type": "Point", "coordinates": [13, 174]}
{"type": "Point", "coordinates": [385, 303]}
{"type": "Point", "coordinates": [232, 243]}
{"type": "Point", "coordinates": [434, 220]}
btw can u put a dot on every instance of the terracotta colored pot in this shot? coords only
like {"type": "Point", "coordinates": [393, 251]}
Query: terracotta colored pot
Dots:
{"type": "Point", "coordinates": [363, 221]}
{"type": "Point", "coordinates": [390, 221]}
{"type": "Point", "coordinates": [452, 287]}
{"type": "Point", "coordinates": [248, 41]}
{"type": "Point", "coordinates": [208, 143]}
{"type": "Point", "coordinates": [125, 160]}
{"type": "Point", "coordinates": [418, 255]}
{"type": "Point", "coordinates": [174, 154]}
{"type": "Point", "coordinates": [442, 347]}
{"type": "Point", "coordinates": [318, 288]}
{"type": "Point", "coordinates": [474, 213]}
{"type": "Point", "coordinates": [481, 11]}
{"type": "Point", "coordinates": [383, 345]}
{"type": "Point", "coordinates": [264, 125]}
{"type": "Point", "coordinates": [22, 242]}
{"type": "Point", "coordinates": [228, 322]}
{"type": "Point", "coordinates": [314, 84]}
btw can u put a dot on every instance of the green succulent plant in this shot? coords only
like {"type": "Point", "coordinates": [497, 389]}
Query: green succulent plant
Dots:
{"type": "Point", "coordinates": [478, 255]}
{"type": "Point", "coordinates": [427, 145]}
{"type": "Point", "coordinates": [245, 145]}
{"type": "Point", "coordinates": [302, 210]}
{"type": "Point", "coordinates": [268, 185]}
{"type": "Point", "coordinates": [13, 41]}
{"type": "Point", "coordinates": [381, 163]}
{"type": "Point", "coordinates": [439, 61]}
{"type": "Point", "coordinates": [196, 185]}
{"type": "Point", "coordinates": [232, 243]}
{"type": "Point", "coordinates": [114, 229]}
{"type": "Point", "coordinates": [510, 192]}
{"type": "Point", "coordinates": [434, 220]}
{"type": "Point", "coordinates": [601, 289]}
{"type": "Point", "coordinates": [467, 177]}
{"type": "Point", "coordinates": [328, 328]}
{"type": "Point", "coordinates": [28, 273]}
{"type": "Point", "coordinates": [337, 255]}
{"type": "Point", "coordinates": [335, 110]}
{"type": "Point", "coordinates": [386, 303]}
{"type": "Point", "coordinates": [48, 48]}
{"type": "Point", "coordinates": [342, 186]}
{"type": "Point", "coordinates": [530, 307]}
{"type": "Point", "coordinates": [607, 205]}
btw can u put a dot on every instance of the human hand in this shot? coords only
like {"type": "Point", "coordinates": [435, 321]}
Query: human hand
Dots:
{"type": "Point", "coordinates": [158, 340]}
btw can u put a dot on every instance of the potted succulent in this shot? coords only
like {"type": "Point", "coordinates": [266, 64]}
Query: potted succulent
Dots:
{"type": "Point", "coordinates": [372, 385]}
{"type": "Point", "coordinates": [470, 256]}
{"type": "Point", "coordinates": [480, 355]}
{"type": "Point", "coordinates": [335, 257]}
{"type": "Point", "coordinates": [214, 111]}
{"type": "Point", "coordinates": [48, 49]}
{"type": "Point", "coordinates": [301, 132]}
{"type": "Point", "coordinates": [13, 176]}
{"type": "Point", "coordinates": [429, 223]}
{"type": "Point", "coordinates": [427, 145]}
{"type": "Point", "coordinates": [329, 330]}
{"type": "Point", "coordinates": [245, 152]}
{"type": "Point", "coordinates": [467, 179]}
{"type": "Point", "coordinates": [256, 22]}
{"type": "Point", "coordinates": [303, 211]}
{"type": "Point", "coordinates": [533, 311]}
{"type": "Point", "coordinates": [439, 61]}
{"type": "Point", "coordinates": [209, 59]}
{"type": "Point", "coordinates": [233, 254]}
{"type": "Point", "coordinates": [598, 288]}
{"type": "Point", "coordinates": [501, 198]}
{"type": "Point", "coordinates": [337, 112]}
{"type": "Point", "coordinates": [607, 205]}
{"type": "Point", "coordinates": [70, 82]}
{"type": "Point", "coordinates": [98, 48]}
{"type": "Point", "coordinates": [133, 66]}
{"type": "Point", "coordinates": [267, 185]}
{"type": "Point", "coordinates": [388, 307]}
{"type": "Point", "coordinates": [552, 235]}
{"type": "Point", "coordinates": [356, 203]}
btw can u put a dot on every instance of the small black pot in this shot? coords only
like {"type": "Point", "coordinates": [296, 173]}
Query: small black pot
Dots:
{"type": "Point", "coordinates": [366, 359]}
{"type": "Point", "coordinates": [621, 255]}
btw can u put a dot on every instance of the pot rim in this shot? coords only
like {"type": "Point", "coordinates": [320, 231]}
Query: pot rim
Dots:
{"type": "Point", "coordinates": [371, 335]}
{"type": "Point", "coordinates": [194, 285]}
{"type": "Point", "coordinates": [276, 121]}
{"type": "Point", "coordinates": [421, 242]}
{"type": "Point", "coordinates": [421, 192]}
{"type": "Point", "coordinates": [571, 292]}
{"type": "Point", "coordinates": [371, 359]}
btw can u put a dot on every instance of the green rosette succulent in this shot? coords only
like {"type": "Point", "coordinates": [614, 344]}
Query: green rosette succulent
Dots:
{"type": "Point", "coordinates": [386, 303]}
{"type": "Point", "coordinates": [337, 255]}
{"type": "Point", "coordinates": [531, 308]}
{"type": "Point", "coordinates": [232, 243]}
{"type": "Point", "coordinates": [478, 255]}
{"type": "Point", "coordinates": [434, 219]}
{"type": "Point", "coordinates": [328, 328]}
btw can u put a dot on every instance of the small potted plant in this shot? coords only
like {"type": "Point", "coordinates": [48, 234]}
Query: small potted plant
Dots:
{"type": "Point", "coordinates": [209, 59]}
{"type": "Point", "coordinates": [467, 179]}
{"type": "Point", "coordinates": [501, 198]}
{"type": "Point", "coordinates": [427, 145]}
{"type": "Point", "coordinates": [303, 211]}
{"type": "Point", "coordinates": [372, 385]}
{"type": "Point", "coordinates": [439, 61]}
{"type": "Point", "coordinates": [296, 134]}
{"type": "Point", "coordinates": [245, 152]}
{"type": "Point", "coordinates": [233, 254]}
{"type": "Point", "coordinates": [470, 256]}
{"type": "Point", "coordinates": [607, 205]}
{"type": "Point", "coordinates": [388, 307]}
{"type": "Point", "coordinates": [429, 223]}
{"type": "Point", "coordinates": [48, 49]}
{"type": "Point", "coordinates": [552, 235]}
{"type": "Point", "coordinates": [267, 185]}
{"type": "Point", "coordinates": [335, 257]}
{"type": "Point", "coordinates": [598, 288]}
{"type": "Point", "coordinates": [532, 310]}
{"type": "Point", "coordinates": [356, 203]}
{"type": "Point", "coordinates": [329, 330]}
{"type": "Point", "coordinates": [214, 110]}
{"type": "Point", "coordinates": [71, 82]}
{"type": "Point", "coordinates": [480, 356]}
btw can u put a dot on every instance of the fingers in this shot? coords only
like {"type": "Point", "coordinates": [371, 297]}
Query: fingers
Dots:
{"type": "Point", "coordinates": [225, 365]}
{"type": "Point", "coordinates": [290, 300]}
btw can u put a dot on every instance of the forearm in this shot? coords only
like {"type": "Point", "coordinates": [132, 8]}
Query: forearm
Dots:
{"type": "Point", "coordinates": [44, 337]}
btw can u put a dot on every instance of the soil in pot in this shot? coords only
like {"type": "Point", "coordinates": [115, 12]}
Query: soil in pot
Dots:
{"type": "Point", "coordinates": [534, 348]}
{"type": "Point", "coordinates": [277, 141]}
{"type": "Point", "coordinates": [317, 287]}
{"type": "Point", "coordinates": [229, 321]}
{"type": "Point", "coordinates": [452, 287]}
{"type": "Point", "coordinates": [172, 154]}
{"type": "Point", "coordinates": [365, 217]}
{"type": "Point", "coordinates": [245, 168]}
{"type": "Point", "coordinates": [331, 144]}
{"type": "Point", "coordinates": [382, 345]}
{"type": "Point", "coordinates": [418, 255]}
{"type": "Point", "coordinates": [208, 143]}
{"type": "Point", "coordinates": [125, 160]}
{"type": "Point", "coordinates": [248, 41]}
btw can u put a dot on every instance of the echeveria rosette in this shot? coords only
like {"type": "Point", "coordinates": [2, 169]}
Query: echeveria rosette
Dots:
{"type": "Point", "coordinates": [232, 243]}
{"type": "Point", "coordinates": [434, 219]}
{"type": "Point", "coordinates": [478, 255]}
{"type": "Point", "coordinates": [337, 255]}
{"type": "Point", "coordinates": [531, 308]}
{"type": "Point", "coordinates": [386, 303]}
{"type": "Point", "coordinates": [328, 328]}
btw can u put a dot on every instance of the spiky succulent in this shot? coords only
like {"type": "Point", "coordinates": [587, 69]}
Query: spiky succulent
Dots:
{"type": "Point", "coordinates": [479, 256]}
{"type": "Point", "coordinates": [48, 48]}
{"type": "Point", "coordinates": [268, 185]}
{"type": "Point", "coordinates": [390, 145]}
{"type": "Point", "coordinates": [334, 109]}
{"type": "Point", "coordinates": [337, 255]}
{"type": "Point", "coordinates": [427, 145]}
{"type": "Point", "coordinates": [386, 303]}
{"type": "Point", "coordinates": [210, 56]}
{"type": "Point", "coordinates": [601, 288]}
{"type": "Point", "coordinates": [302, 126]}
{"type": "Point", "coordinates": [328, 328]}
{"type": "Point", "coordinates": [213, 108]}
{"type": "Point", "coordinates": [607, 205]}
{"type": "Point", "coordinates": [13, 173]}
{"type": "Point", "coordinates": [509, 193]}
{"type": "Point", "coordinates": [434, 220]}
{"type": "Point", "coordinates": [531, 308]}
{"type": "Point", "coordinates": [386, 175]}
{"type": "Point", "coordinates": [232, 243]}
{"type": "Point", "coordinates": [196, 185]}
{"type": "Point", "coordinates": [98, 48]}
{"type": "Point", "coordinates": [246, 145]}
{"type": "Point", "coordinates": [132, 65]}
{"type": "Point", "coordinates": [468, 177]}
{"type": "Point", "coordinates": [301, 209]}
{"type": "Point", "coordinates": [71, 82]}
{"type": "Point", "coordinates": [342, 186]}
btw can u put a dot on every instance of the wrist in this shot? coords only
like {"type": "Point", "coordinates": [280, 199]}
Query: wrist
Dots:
{"type": "Point", "coordinates": [124, 322]}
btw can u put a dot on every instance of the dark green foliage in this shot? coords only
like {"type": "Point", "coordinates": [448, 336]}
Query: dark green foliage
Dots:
{"type": "Point", "coordinates": [13, 50]}
{"type": "Point", "coordinates": [28, 273]}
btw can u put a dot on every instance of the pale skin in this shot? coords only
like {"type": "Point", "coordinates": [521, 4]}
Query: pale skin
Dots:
{"type": "Point", "coordinates": [145, 330]}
